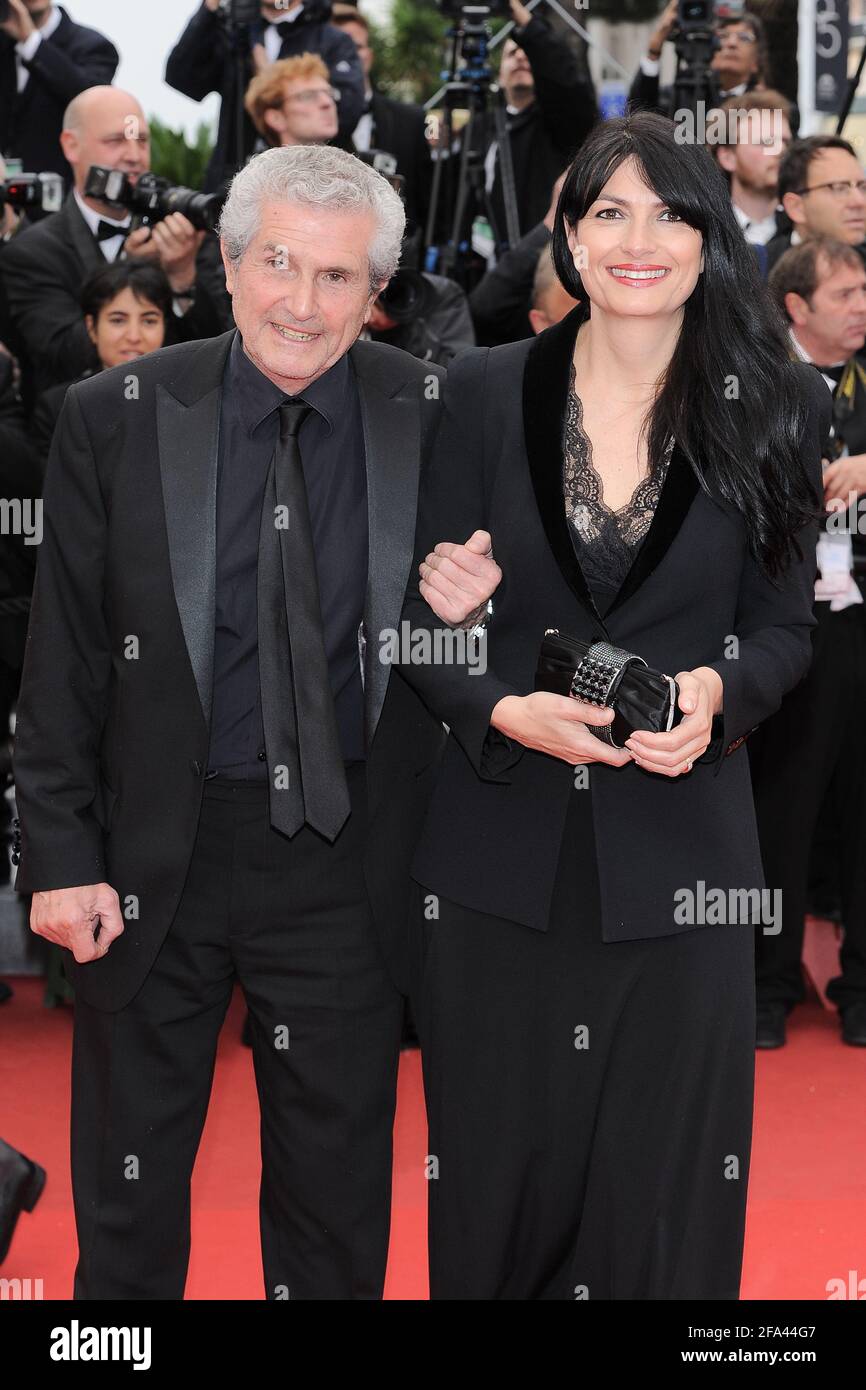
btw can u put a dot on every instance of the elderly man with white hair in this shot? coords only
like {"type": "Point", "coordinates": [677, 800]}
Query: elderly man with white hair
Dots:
{"type": "Point", "coordinates": [218, 776]}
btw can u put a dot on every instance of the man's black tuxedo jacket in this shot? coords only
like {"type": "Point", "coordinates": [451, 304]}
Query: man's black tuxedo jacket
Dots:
{"type": "Point", "coordinates": [491, 840]}
{"type": "Point", "coordinates": [398, 128]}
{"type": "Point", "coordinates": [111, 739]}
{"type": "Point", "coordinates": [72, 59]}
{"type": "Point", "coordinates": [44, 268]}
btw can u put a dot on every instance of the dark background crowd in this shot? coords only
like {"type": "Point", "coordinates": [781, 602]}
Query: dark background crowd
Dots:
{"type": "Point", "coordinates": [93, 275]}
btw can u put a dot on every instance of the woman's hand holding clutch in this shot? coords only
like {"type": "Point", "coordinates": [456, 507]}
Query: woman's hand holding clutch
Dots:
{"type": "Point", "coordinates": [673, 754]}
{"type": "Point", "coordinates": [557, 725]}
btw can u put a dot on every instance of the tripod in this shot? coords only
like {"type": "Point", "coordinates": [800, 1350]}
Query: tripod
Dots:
{"type": "Point", "coordinates": [457, 199]}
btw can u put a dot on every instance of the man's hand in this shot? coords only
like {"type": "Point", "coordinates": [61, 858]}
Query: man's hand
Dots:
{"type": "Point", "coordinates": [520, 14]}
{"type": "Point", "coordinates": [85, 919]}
{"type": "Point", "coordinates": [844, 476]}
{"type": "Point", "coordinates": [663, 29]}
{"type": "Point", "coordinates": [173, 243]}
{"type": "Point", "coordinates": [260, 57]}
{"type": "Point", "coordinates": [673, 754]}
{"type": "Point", "coordinates": [457, 580]}
{"type": "Point", "coordinates": [19, 25]}
{"type": "Point", "coordinates": [557, 725]}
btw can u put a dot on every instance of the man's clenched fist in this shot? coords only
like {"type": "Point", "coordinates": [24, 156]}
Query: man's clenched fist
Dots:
{"type": "Point", "coordinates": [85, 919]}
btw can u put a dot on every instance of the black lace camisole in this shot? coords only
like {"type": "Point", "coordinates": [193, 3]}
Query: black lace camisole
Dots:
{"type": "Point", "coordinates": [605, 541]}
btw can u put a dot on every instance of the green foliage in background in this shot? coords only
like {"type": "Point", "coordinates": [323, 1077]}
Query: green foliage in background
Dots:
{"type": "Point", "coordinates": [174, 159]}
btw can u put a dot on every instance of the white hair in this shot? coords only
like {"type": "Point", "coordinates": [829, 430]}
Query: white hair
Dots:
{"type": "Point", "coordinates": [317, 176]}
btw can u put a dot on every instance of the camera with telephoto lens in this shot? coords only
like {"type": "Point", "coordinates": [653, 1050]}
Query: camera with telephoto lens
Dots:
{"type": "Point", "coordinates": [698, 15]}
{"type": "Point", "coordinates": [407, 295]}
{"type": "Point", "coordinates": [35, 192]}
{"type": "Point", "coordinates": [152, 198]}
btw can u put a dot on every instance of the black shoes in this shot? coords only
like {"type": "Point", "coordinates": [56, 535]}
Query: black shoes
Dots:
{"type": "Point", "coordinates": [854, 1023]}
{"type": "Point", "coordinates": [770, 1030]}
{"type": "Point", "coordinates": [21, 1184]}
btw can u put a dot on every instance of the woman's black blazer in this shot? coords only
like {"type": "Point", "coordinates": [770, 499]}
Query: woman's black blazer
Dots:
{"type": "Point", "coordinates": [491, 839]}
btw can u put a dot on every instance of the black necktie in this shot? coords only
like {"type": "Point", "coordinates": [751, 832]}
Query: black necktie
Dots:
{"type": "Point", "coordinates": [106, 230]}
{"type": "Point", "coordinates": [305, 766]}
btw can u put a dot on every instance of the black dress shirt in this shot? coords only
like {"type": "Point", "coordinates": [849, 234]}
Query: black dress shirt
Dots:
{"type": "Point", "coordinates": [331, 441]}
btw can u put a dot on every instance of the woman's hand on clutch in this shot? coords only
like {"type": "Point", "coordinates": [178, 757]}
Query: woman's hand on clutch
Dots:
{"type": "Point", "coordinates": [557, 725]}
{"type": "Point", "coordinates": [673, 754]}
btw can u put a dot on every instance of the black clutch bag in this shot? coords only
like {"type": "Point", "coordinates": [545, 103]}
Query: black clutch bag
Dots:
{"type": "Point", "coordinates": [602, 674]}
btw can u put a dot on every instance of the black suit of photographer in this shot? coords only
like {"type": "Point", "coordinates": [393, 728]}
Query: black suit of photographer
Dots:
{"type": "Point", "coordinates": [70, 60]}
{"type": "Point", "coordinates": [544, 136]}
{"type": "Point", "coordinates": [203, 61]}
{"type": "Point", "coordinates": [43, 269]}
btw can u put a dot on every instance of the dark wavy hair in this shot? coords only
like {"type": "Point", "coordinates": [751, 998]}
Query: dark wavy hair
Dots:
{"type": "Point", "coordinates": [745, 451]}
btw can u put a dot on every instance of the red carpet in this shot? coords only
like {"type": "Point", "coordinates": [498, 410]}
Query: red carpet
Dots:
{"type": "Point", "coordinates": [807, 1192]}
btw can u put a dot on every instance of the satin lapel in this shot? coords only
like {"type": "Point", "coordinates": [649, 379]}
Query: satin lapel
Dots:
{"type": "Point", "coordinates": [391, 415]}
{"type": "Point", "coordinates": [188, 419]}
{"type": "Point", "coordinates": [545, 386]}
{"type": "Point", "coordinates": [83, 240]}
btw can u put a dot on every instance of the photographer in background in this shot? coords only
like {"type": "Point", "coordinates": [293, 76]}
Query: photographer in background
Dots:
{"type": "Point", "coordinates": [397, 127]}
{"type": "Point", "coordinates": [822, 190]}
{"type": "Point", "coordinates": [292, 102]}
{"type": "Point", "coordinates": [738, 63]}
{"type": "Point", "coordinates": [45, 265]}
{"type": "Point", "coordinates": [549, 109]}
{"type": "Point", "coordinates": [424, 314]}
{"type": "Point", "coordinates": [45, 61]}
{"type": "Point", "coordinates": [809, 759]}
{"type": "Point", "coordinates": [209, 52]}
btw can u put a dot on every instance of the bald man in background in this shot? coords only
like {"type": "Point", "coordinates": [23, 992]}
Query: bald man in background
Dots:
{"type": "Point", "coordinates": [46, 264]}
{"type": "Point", "coordinates": [550, 299]}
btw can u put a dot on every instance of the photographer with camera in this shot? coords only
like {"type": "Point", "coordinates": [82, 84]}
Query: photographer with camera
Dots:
{"type": "Point", "coordinates": [44, 267]}
{"type": "Point", "coordinates": [292, 102]}
{"type": "Point", "coordinates": [45, 61]}
{"type": "Point", "coordinates": [227, 42]}
{"type": "Point", "coordinates": [550, 109]}
{"type": "Point", "coordinates": [397, 127]}
{"type": "Point", "coordinates": [738, 63]}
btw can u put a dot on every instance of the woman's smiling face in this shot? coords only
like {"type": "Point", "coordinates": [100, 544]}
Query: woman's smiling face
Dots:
{"type": "Point", "coordinates": [635, 256]}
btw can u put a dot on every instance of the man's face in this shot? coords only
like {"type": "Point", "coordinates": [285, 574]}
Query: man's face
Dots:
{"type": "Point", "coordinates": [114, 134]}
{"type": "Point", "coordinates": [736, 58]}
{"type": "Point", "coordinates": [358, 34]}
{"type": "Point", "coordinates": [830, 211]}
{"type": "Point", "coordinates": [515, 74]}
{"type": "Point", "coordinates": [763, 137]}
{"type": "Point", "coordinates": [837, 315]}
{"type": "Point", "coordinates": [274, 13]}
{"type": "Point", "coordinates": [308, 115]}
{"type": "Point", "coordinates": [301, 291]}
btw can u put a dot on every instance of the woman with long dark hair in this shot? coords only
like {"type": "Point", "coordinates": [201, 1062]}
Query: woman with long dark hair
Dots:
{"type": "Point", "coordinates": [649, 470]}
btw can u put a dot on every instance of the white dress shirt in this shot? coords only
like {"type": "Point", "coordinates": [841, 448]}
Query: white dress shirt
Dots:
{"type": "Point", "coordinates": [757, 233]}
{"type": "Point", "coordinates": [112, 246]}
{"type": "Point", "coordinates": [273, 38]}
{"type": "Point", "coordinates": [27, 49]}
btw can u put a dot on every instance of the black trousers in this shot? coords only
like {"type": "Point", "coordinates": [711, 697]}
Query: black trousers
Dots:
{"type": "Point", "coordinates": [589, 1102]}
{"type": "Point", "coordinates": [808, 756]}
{"type": "Point", "coordinates": [290, 920]}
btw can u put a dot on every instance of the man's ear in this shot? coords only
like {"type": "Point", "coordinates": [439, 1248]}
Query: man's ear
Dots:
{"type": "Point", "coordinates": [726, 157]}
{"type": "Point", "coordinates": [228, 267]}
{"type": "Point", "coordinates": [275, 121]}
{"type": "Point", "coordinates": [793, 205]}
{"type": "Point", "coordinates": [372, 300]}
{"type": "Point", "coordinates": [69, 145]}
{"type": "Point", "coordinates": [796, 308]}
